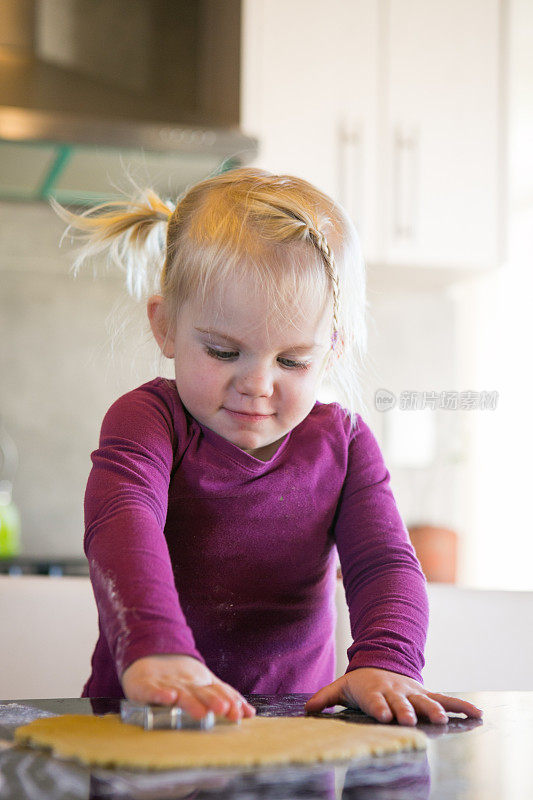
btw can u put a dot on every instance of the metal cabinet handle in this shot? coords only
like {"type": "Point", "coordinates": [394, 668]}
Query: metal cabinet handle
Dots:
{"type": "Point", "coordinates": [406, 151]}
{"type": "Point", "coordinates": [350, 171]}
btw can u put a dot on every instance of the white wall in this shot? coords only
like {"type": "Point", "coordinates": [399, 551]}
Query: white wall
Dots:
{"type": "Point", "coordinates": [58, 371]}
{"type": "Point", "coordinates": [498, 327]}
{"type": "Point", "coordinates": [413, 346]}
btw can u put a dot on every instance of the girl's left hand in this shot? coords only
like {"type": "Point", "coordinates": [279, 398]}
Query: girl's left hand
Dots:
{"type": "Point", "coordinates": [387, 695]}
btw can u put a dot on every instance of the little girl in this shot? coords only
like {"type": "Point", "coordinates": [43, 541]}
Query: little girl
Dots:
{"type": "Point", "coordinates": [217, 501]}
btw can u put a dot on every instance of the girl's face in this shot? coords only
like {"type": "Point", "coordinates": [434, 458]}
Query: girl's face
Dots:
{"type": "Point", "coordinates": [247, 376]}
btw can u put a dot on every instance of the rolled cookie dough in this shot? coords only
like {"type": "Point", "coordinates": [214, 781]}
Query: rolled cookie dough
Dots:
{"type": "Point", "coordinates": [108, 742]}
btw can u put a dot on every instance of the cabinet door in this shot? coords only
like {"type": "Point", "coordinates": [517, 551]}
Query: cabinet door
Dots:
{"type": "Point", "coordinates": [442, 132]}
{"type": "Point", "coordinates": [309, 93]}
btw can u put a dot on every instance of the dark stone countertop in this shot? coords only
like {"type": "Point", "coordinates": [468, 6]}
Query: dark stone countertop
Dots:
{"type": "Point", "coordinates": [44, 565]}
{"type": "Point", "coordinates": [465, 760]}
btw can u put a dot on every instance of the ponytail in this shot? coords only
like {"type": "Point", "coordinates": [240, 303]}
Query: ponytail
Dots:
{"type": "Point", "coordinates": [132, 232]}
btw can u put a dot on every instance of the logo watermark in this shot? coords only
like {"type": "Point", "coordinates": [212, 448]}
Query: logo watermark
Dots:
{"type": "Point", "coordinates": [410, 400]}
{"type": "Point", "coordinates": [384, 400]}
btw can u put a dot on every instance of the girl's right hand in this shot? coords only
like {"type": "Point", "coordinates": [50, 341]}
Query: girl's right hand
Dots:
{"type": "Point", "coordinates": [184, 681]}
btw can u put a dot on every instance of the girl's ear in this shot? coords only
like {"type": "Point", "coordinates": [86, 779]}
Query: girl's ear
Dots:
{"type": "Point", "coordinates": [160, 324]}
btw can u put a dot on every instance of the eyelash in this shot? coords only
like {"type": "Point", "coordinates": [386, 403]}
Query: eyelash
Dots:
{"type": "Point", "coordinates": [229, 355]}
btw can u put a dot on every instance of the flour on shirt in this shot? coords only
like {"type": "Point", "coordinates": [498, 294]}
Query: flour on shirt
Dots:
{"type": "Point", "coordinates": [115, 607]}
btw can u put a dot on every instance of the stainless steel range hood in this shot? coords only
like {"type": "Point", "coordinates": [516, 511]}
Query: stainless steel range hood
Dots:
{"type": "Point", "coordinates": [98, 96]}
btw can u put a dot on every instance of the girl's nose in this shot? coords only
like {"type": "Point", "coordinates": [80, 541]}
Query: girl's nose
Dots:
{"type": "Point", "coordinates": [255, 382]}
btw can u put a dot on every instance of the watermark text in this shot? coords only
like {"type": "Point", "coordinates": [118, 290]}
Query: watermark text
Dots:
{"type": "Point", "coordinates": [447, 400]}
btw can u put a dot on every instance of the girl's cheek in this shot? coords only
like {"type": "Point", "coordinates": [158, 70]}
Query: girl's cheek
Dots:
{"type": "Point", "coordinates": [306, 386]}
{"type": "Point", "coordinates": [217, 375]}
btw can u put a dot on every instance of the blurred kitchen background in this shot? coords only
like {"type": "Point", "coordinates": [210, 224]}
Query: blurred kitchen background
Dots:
{"type": "Point", "coordinates": [416, 114]}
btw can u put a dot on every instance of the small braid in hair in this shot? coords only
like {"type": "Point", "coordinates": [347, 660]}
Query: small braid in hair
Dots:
{"type": "Point", "coordinates": [320, 242]}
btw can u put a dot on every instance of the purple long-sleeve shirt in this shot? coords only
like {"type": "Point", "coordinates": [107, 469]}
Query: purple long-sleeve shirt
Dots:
{"type": "Point", "coordinates": [197, 547]}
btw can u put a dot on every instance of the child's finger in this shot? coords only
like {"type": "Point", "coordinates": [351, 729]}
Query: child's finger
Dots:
{"type": "Point", "coordinates": [223, 700]}
{"type": "Point", "coordinates": [429, 708]}
{"type": "Point", "coordinates": [240, 707]}
{"type": "Point", "coordinates": [375, 705]}
{"type": "Point", "coordinates": [457, 705]}
{"type": "Point", "coordinates": [148, 692]}
{"type": "Point", "coordinates": [235, 712]}
{"type": "Point", "coordinates": [247, 709]}
{"type": "Point", "coordinates": [233, 705]}
{"type": "Point", "coordinates": [401, 708]}
{"type": "Point", "coordinates": [161, 695]}
{"type": "Point", "coordinates": [324, 698]}
{"type": "Point", "coordinates": [213, 699]}
{"type": "Point", "coordinates": [191, 703]}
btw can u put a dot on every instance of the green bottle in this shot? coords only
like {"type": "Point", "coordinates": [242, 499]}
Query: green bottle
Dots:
{"type": "Point", "coordinates": [9, 523]}
{"type": "Point", "coordinates": [9, 515]}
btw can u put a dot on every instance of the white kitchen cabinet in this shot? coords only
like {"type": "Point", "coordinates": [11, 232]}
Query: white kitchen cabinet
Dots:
{"type": "Point", "coordinates": [442, 132]}
{"type": "Point", "coordinates": [395, 107]}
{"type": "Point", "coordinates": [309, 92]}
{"type": "Point", "coordinates": [472, 639]}
{"type": "Point", "coordinates": [48, 629]}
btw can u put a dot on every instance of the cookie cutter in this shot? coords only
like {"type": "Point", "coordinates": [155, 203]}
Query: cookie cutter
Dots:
{"type": "Point", "coordinates": [152, 717]}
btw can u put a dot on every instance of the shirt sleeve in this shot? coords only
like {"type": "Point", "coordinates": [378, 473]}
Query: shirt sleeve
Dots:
{"type": "Point", "coordinates": [125, 511]}
{"type": "Point", "coordinates": [384, 584]}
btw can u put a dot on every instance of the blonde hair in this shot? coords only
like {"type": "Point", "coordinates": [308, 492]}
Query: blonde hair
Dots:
{"type": "Point", "coordinates": [292, 236]}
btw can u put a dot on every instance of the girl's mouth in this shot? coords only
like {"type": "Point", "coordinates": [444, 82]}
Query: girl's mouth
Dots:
{"type": "Point", "coordinates": [244, 415]}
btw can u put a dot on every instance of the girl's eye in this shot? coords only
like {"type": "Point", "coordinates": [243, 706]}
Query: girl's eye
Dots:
{"type": "Point", "coordinates": [230, 355]}
{"type": "Point", "coordinates": [290, 364]}
{"type": "Point", "coordinates": [222, 355]}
